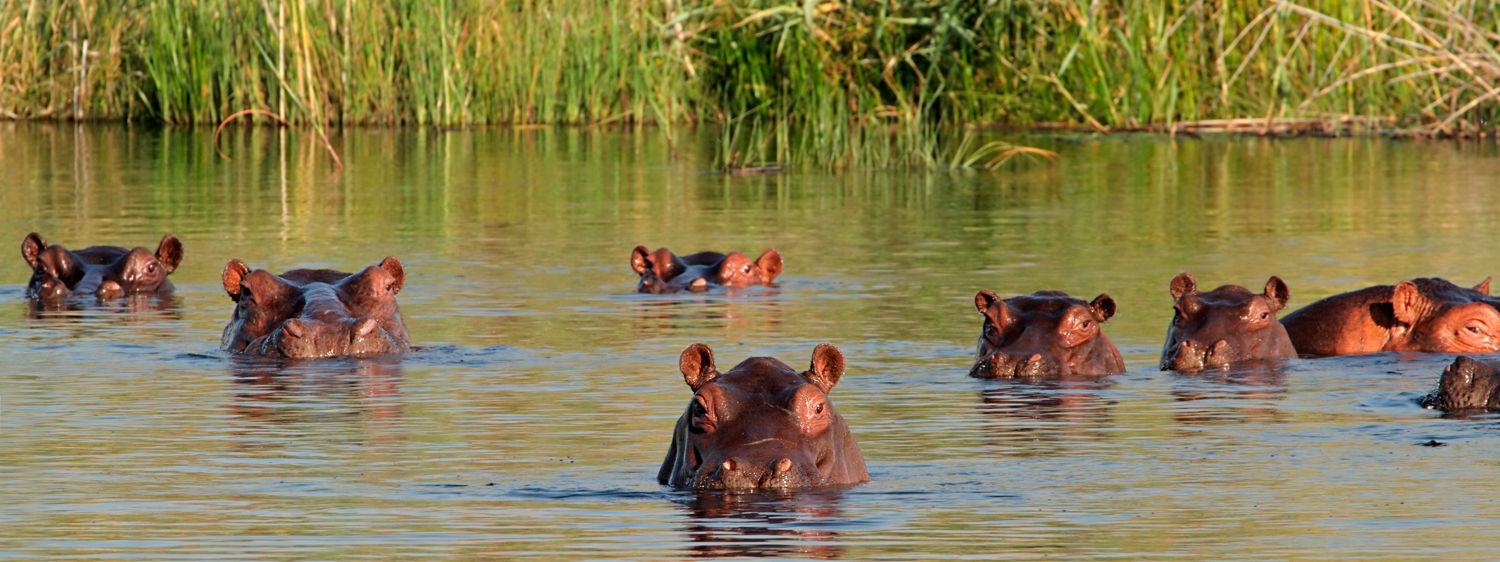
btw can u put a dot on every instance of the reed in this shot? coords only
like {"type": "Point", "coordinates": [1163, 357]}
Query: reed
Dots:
{"type": "Point", "coordinates": [833, 84]}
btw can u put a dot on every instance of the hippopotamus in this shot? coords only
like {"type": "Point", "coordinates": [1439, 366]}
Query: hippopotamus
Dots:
{"type": "Point", "coordinates": [664, 272]}
{"type": "Point", "coordinates": [761, 426]}
{"type": "Point", "coordinates": [309, 313]}
{"type": "Point", "coordinates": [1425, 314]}
{"type": "Point", "coordinates": [1225, 326]}
{"type": "Point", "coordinates": [1044, 334]}
{"type": "Point", "coordinates": [1467, 385]}
{"type": "Point", "coordinates": [103, 272]}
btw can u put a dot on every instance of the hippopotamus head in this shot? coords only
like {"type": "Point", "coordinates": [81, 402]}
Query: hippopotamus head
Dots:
{"type": "Point", "coordinates": [761, 426]}
{"type": "Point", "coordinates": [664, 272]}
{"type": "Point", "coordinates": [1467, 384]}
{"type": "Point", "coordinates": [103, 271]}
{"type": "Point", "coordinates": [738, 271]}
{"type": "Point", "coordinates": [1044, 334]}
{"type": "Point", "coordinates": [1227, 325]}
{"type": "Point", "coordinates": [1432, 314]}
{"type": "Point", "coordinates": [308, 313]}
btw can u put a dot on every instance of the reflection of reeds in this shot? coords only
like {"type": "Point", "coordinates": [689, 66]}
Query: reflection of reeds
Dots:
{"type": "Point", "coordinates": [828, 83]}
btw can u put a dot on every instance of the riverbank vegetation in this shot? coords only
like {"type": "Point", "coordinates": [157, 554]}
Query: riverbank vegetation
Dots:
{"type": "Point", "coordinates": [828, 83]}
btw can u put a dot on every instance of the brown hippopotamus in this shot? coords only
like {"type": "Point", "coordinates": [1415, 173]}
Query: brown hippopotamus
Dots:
{"type": "Point", "coordinates": [1224, 326]}
{"type": "Point", "coordinates": [761, 426]}
{"type": "Point", "coordinates": [1426, 314]}
{"type": "Point", "coordinates": [1044, 334]}
{"type": "Point", "coordinates": [104, 272]}
{"type": "Point", "coordinates": [1467, 385]}
{"type": "Point", "coordinates": [308, 313]}
{"type": "Point", "coordinates": [664, 272]}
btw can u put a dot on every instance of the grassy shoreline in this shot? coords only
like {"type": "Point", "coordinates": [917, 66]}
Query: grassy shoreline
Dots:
{"type": "Point", "coordinates": [830, 84]}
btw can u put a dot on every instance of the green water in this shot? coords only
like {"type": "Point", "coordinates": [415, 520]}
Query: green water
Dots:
{"type": "Point", "coordinates": [532, 421]}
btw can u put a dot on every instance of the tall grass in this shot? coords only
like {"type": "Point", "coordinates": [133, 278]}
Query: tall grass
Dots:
{"type": "Point", "coordinates": [827, 83]}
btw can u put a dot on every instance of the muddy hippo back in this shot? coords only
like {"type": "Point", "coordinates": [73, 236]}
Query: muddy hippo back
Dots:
{"type": "Point", "coordinates": [1422, 315]}
{"type": "Point", "coordinates": [1224, 327]}
{"type": "Point", "coordinates": [761, 426]}
{"type": "Point", "coordinates": [310, 313]}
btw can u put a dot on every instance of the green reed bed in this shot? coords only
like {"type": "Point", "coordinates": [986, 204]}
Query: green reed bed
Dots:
{"type": "Point", "coordinates": [827, 84]}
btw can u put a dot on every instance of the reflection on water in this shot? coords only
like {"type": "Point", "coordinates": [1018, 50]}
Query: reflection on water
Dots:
{"type": "Point", "coordinates": [764, 525]}
{"type": "Point", "coordinates": [321, 391]}
{"type": "Point", "coordinates": [1037, 418]}
{"type": "Point", "coordinates": [532, 418]}
{"type": "Point", "coordinates": [1243, 394]}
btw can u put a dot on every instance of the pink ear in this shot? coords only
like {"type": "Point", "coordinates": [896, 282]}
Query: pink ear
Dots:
{"type": "Point", "coordinates": [1276, 291]}
{"type": "Point", "coordinates": [827, 367]}
{"type": "Point", "coordinates": [234, 273]}
{"type": "Point", "coordinates": [640, 260]}
{"type": "Point", "coordinates": [770, 264]}
{"type": "Point", "coordinates": [697, 366]}
{"type": "Point", "coordinates": [1483, 287]}
{"type": "Point", "coordinates": [1406, 302]}
{"type": "Point", "coordinates": [393, 266]}
{"type": "Point", "coordinates": [31, 248]}
{"type": "Point", "coordinates": [1182, 284]}
{"type": "Point", "coordinates": [169, 253]}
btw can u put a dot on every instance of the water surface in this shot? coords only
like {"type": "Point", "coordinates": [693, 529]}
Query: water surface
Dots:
{"type": "Point", "coordinates": [532, 422]}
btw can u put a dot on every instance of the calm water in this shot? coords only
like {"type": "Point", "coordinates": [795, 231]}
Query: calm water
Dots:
{"type": "Point", "coordinates": [533, 422]}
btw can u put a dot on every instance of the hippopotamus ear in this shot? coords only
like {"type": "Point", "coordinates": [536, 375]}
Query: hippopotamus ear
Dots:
{"type": "Point", "coordinates": [169, 253]}
{"type": "Point", "coordinates": [640, 260]}
{"type": "Point", "coordinates": [31, 248]}
{"type": "Point", "coordinates": [1483, 287]}
{"type": "Point", "coordinates": [984, 299]}
{"type": "Point", "coordinates": [1103, 307]}
{"type": "Point", "coordinates": [770, 264]}
{"type": "Point", "coordinates": [1182, 284]}
{"type": "Point", "coordinates": [1276, 291]}
{"type": "Point", "coordinates": [234, 273]}
{"type": "Point", "coordinates": [827, 367]}
{"type": "Point", "coordinates": [697, 364]}
{"type": "Point", "coordinates": [393, 266]}
{"type": "Point", "coordinates": [1406, 302]}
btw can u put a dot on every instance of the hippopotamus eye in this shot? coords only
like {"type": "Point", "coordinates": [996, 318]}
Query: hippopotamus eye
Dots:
{"type": "Point", "coordinates": [1264, 315]}
{"type": "Point", "coordinates": [746, 268]}
{"type": "Point", "coordinates": [151, 268]}
{"type": "Point", "coordinates": [1473, 329]}
{"type": "Point", "coordinates": [819, 408]}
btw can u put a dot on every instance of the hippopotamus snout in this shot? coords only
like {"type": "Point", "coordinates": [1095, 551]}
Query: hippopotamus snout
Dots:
{"type": "Point", "coordinates": [753, 473]}
{"type": "Point", "coordinates": [1189, 355]}
{"type": "Point", "coordinates": [304, 338]}
{"type": "Point", "coordinates": [1008, 365]}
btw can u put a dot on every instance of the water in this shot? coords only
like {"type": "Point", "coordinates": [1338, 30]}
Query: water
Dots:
{"type": "Point", "coordinates": [532, 422]}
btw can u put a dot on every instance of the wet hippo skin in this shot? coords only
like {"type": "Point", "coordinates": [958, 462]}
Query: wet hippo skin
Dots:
{"type": "Point", "coordinates": [1044, 334]}
{"type": "Point", "coordinates": [1425, 314]}
{"type": "Point", "coordinates": [1467, 385]}
{"type": "Point", "coordinates": [761, 426]}
{"type": "Point", "coordinates": [664, 272]}
{"type": "Point", "coordinates": [1223, 327]}
{"type": "Point", "coordinates": [310, 313]}
{"type": "Point", "coordinates": [103, 272]}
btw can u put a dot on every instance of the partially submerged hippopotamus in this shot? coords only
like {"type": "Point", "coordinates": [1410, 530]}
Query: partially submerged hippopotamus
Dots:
{"type": "Point", "coordinates": [1044, 334]}
{"type": "Point", "coordinates": [308, 313]}
{"type": "Point", "coordinates": [664, 272]}
{"type": "Point", "coordinates": [761, 426]}
{"type": "Point", "coordinates": [1426, 314]}
{"type": "Point", "coordinates": [1225, 326]}
{"type": "Point", "coordinates": [1467, 385]}
{"type": "Point", "coordinates": [103, 272]}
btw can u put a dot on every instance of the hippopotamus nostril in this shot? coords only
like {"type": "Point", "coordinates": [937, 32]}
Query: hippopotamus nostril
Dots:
{"type": "Point", "coordinates": [362, 328]}
{"type": "Point", "coordinates": [783, 466]}
{"type": "Point", "coordinates": [294, 328]}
